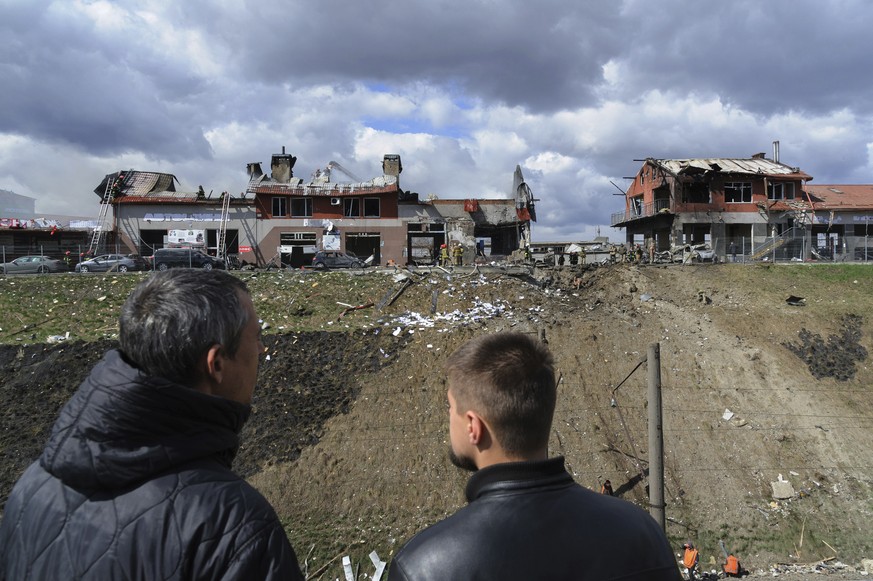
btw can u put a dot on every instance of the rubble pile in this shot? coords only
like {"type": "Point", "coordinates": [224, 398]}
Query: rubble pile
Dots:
{"type": "Point", "coordinates": [829, 567]}
{"type": "Point", "coordinates": [835, 357]}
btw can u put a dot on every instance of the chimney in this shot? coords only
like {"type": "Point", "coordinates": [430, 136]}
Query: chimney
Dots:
{"type": "Point", "coordinates": [391, 165]}
{"type": "Point", "coordinates": [282, 167]}
{"type": "Point", "coordinates": [776, 151]}
{"type": "Point", "coordinates": [254, 170]}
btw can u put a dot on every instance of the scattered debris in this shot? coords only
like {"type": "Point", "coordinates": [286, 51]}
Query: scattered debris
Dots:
{"type": "Point", "coordinates": [392, 295]}
{"type": "Point", "coordinates": [782, 489]}
{"type": "Point", "coordinates": [796, 301]}
{"type": "Point", "coordinates": [825, 567]}
{"type": "Point", "coordinates": [350, 308]}
{"type": "Point", "coordinates": [58, 338]}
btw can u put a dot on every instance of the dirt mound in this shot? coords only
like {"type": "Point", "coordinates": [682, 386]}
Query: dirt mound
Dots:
{"type": "Point", "coordinates": [348, 435]}
{"type": "Point", "coordinates": [307, 379]}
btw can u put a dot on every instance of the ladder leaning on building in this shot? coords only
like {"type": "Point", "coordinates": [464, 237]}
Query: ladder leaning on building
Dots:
{"type": "Point", "coordinates": [221, 250]}
{"type": "Point", "coordinates": [113, 188]}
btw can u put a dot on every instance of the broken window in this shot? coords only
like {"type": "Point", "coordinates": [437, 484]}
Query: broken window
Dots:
{"type": "Point", "coordinates": [371, 208]}
{"type": "Point", "coordinates": [280, 207]}
{"type": "Point", "coordinates": [738, 192]}
{"type": "Point", "coordinates": [780, 191]}
{"type": "Point", "coordinates": [696, 193]}
{"type": "Point", "coordinates": [301, 207]}
{"type": "Point", "coordinates": [351, 207]}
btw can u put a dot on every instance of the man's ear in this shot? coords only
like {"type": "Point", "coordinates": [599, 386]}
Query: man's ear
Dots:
{"type": "Point", "coordinates": [214, 363]}
{"type": "Point", "coordinates": [477, 430]}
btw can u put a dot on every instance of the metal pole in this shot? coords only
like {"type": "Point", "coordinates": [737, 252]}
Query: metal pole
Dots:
{"type": "Point", "coordinates": [656, 437]}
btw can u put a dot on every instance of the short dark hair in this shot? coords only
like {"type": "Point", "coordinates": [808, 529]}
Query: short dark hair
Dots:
{"type": "Point", "coordinates": [173, 317]}
{"type": "Point", "coordinates": [509, 379]}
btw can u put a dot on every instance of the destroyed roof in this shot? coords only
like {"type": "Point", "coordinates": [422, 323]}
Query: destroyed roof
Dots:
{"type": "Point", "coordinates": [296, 186]}
{"type": "Point", "coordinates": [165, 198]}
{"type": "Point", "coordinates": [140, 183]}
{"type": "Point", "coordinates": [749, 166]}
{"type": "Point", "coordinates": [493, 210]}
{"type": "Point", "coordinates": [840, 197]}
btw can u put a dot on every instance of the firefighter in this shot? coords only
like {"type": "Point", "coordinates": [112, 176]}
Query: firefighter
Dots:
{"type": "Point", "coordinates": [444, 255]}
{"type": "Point", "coordinates": [458, 254]}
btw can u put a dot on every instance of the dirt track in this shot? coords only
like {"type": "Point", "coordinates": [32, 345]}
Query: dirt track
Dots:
{"type": "Point", "coordinates": [348, 437]}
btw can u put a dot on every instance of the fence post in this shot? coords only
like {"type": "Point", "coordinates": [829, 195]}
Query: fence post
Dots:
{"type": "Point", "coordinates": [656, 437]}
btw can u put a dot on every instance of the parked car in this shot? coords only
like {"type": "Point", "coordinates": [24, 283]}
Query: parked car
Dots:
{"type": "Point", "coordinates": [34, 265]}
{"type": "Point", "coordinates": [113, 262]}
{"type": "Point", "coordinates": [165, 258]}
{"type": "Point", "coordinates": [336, 259]}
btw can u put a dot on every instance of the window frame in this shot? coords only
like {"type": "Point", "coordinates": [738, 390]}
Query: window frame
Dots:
{"type": "Point", "coordinates": [279, 203]}
{"type": "Point", "coordinates": [351, 207]}
{"type": "Point", "coordinates": [739, 189]}
{"type": "Point", "coordinates": [367, 208]}
{"type": "Point", "coordinates": [307, 207]}
{"type": "Point", "coordinates": [785, 190]}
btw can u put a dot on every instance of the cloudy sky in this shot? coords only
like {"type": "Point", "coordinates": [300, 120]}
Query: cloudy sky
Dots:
{"type": "Point", "coordinates": [574, 91]}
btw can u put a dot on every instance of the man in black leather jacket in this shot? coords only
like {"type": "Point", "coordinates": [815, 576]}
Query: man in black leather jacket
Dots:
{"type": "Point", "coordinates": [135, 481]}
{"type": "Point", "coordinates": [526, 518]}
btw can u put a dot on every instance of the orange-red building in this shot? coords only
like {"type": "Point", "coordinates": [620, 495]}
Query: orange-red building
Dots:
{"type": "Point", "coordinates": [752, 207]}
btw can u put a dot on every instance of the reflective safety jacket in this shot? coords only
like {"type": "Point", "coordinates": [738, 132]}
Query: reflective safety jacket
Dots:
{"type": "Point", "coordinates": [690, 559]}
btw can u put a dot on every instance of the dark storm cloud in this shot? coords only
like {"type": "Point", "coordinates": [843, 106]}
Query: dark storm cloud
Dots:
{"type": "Point", "coordinates": [542, 55]}
{"type": "Point", "coordinates": [766, 57]}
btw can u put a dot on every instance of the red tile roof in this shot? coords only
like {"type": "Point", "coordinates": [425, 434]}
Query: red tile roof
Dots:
{"type": "Point", "coordinates": [844, 197]}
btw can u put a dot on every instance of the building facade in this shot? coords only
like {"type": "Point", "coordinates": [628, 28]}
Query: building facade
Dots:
{"type": "Point", "coordinates": [756, 208]}
{"type": "Point", "coordinates": [283, 220]}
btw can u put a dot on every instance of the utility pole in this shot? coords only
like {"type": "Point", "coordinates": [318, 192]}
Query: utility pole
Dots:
{"type": "Point", "coordinates": [656, 437]}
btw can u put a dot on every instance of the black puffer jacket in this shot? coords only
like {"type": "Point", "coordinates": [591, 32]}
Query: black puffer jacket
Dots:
{"type": "Point", "coordinates": [135, 483]}
{"type": "Point", "coordinates": [530, 520]}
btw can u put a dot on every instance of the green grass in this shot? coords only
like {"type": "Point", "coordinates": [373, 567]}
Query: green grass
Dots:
{"type": "Point", "coordinates": [34, 309]}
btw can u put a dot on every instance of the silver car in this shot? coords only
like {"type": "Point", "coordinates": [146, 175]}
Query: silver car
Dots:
{"type": "Point", "coordinates": [113, 262]}
{"type": "Point", "coordinates": [33, 265]}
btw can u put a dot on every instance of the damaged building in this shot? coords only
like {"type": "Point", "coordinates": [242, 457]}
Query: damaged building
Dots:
{"type": "Point", "coordinates": [281, 219]}
{"type": "Point", "coordinates": [754, 208]}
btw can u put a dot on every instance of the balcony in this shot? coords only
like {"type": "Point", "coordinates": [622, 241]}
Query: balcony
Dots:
{"type": "Point", "coordinates": [647, 210]}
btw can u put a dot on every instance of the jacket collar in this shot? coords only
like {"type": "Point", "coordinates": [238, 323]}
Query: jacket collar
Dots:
{"type": "Point", "coordinates": [517, 476]}
{"type": "Point", "coordinates": [123, 426]}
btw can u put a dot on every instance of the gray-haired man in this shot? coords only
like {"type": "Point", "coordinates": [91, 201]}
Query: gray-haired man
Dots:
{"type": "Point", "coordinates": [135, 481]}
